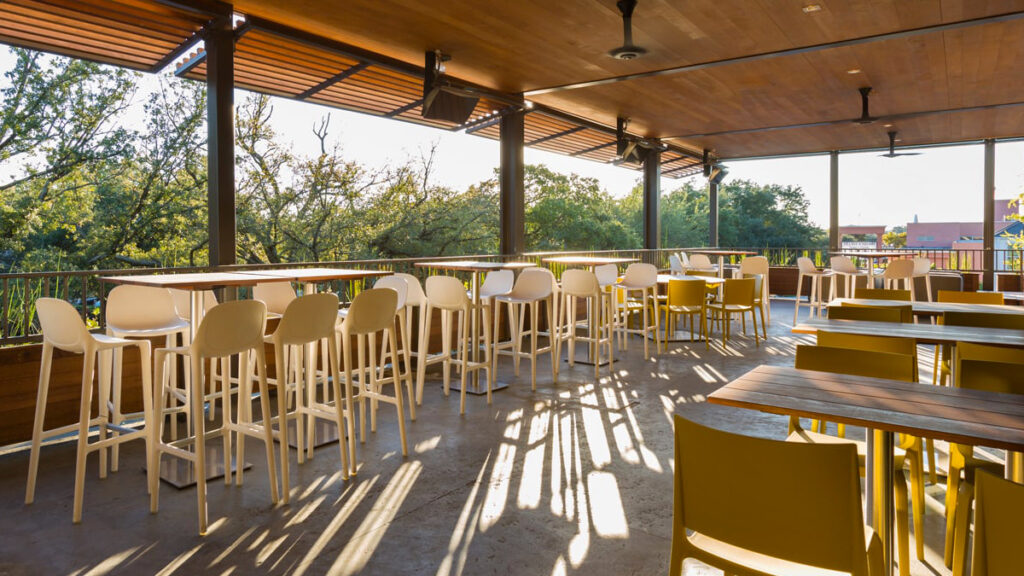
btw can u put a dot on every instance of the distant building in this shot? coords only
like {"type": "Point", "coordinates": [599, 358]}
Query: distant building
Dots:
{"type": "Point", "coordinates": [966, 237]}
{"type": "Point", "coordinates": [861, 237]}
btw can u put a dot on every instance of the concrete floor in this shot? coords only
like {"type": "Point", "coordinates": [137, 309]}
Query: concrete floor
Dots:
{"type": "Point", "coordinates": [575, 478]}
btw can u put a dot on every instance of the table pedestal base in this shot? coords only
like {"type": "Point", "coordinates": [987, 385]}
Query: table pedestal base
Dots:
{"type": "Point", "coordinates": [181, 474]}
{"type": "Point", "coordinates": [477, 390]}
{"type": "Point", "coordinates": [324, 433]}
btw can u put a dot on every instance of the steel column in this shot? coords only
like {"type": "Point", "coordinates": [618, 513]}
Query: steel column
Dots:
{"type": "Point", "coordinates": [513, 191]}
{"type": "Point", "coordinates": [220, 111]}
{"type": "Point", "coordinates": [989, 227]}
{"type": "Point", "coordinates": [712, 214]}
{"type": "Point", "coordinates": [834, 238]}
{"type": "Point", "coordinates": [652, 199]}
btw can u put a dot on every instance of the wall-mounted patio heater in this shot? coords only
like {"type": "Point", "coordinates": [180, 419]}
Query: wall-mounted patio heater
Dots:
{"type": "Point", "coordinates": [441, 101]}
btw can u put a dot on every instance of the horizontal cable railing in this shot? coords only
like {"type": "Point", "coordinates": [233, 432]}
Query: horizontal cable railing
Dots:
{"type": "Point", "coordinates": [85, 290]}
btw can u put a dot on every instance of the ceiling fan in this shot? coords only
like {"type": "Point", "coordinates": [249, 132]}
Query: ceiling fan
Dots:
{"type": "Point", "coordinates": [628, 51]}
{"type": "Point", "coordinates": [892, 148]}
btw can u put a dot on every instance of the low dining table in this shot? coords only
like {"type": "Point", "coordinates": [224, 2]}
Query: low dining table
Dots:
{"type": "Point", "coordinates": [589, 262]}
{"type": "Point", "coordinates": [971, 417]}
{"type": "Point", "coordinates": [925, 308]}
{"type": "Point", "coordinates": [921, 333]}
{"type": "Point", "coordinates": [475, 268]}
{"type": "Point", "coordinates": [721, 254]}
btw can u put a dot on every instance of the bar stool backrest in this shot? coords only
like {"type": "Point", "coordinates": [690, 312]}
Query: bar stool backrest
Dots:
{"type": "Point", "coordinates": [686, 292]}
{"type": "Point", "coordinates": [231, 328]}
{"type": "Point", "coordinates": [607, 274]}
{"type": "Point", "coordinates": [641, 275]}
{"type": "Point", "coordinates": [534, 284]}
{"type": "Point", "coordinates": [399, 285]}
{"type": "Point", "coordinates": [758, 283]}
{"type": "Point", "coordinates": [374, 310]}
{"type": "Point", "coordinates": [903, 268]}
{"type": "Point", "coordinates": [276, 295]}
{"type": "Point", "coordinates": [62, 326]}
{"type": "Point", "coordinates": [675, 264]}
{"type": "Point", "coordinates": [581, 283]}
{"type": "Point", "coordinates": [497, 282]}
{"type": "Point", "coordinates": [842, 264]}
{"type": "Point", "coordinates": [806, 265]}
{"type": "Point", "coordinates": [308, 318]}
{"type": "Point", "coordinates": [922, 265]}
{"type": "Point", "coordinates": [712, 500]}
{"type": "Point", "coordinates": [183, 304]}
{"type": "Point", "coordinates": [414, 295]}
{"type": "Point", "coordinates": [684, 259]}
{"type": "Point", "coordinates": [140, 307]}
{"type": "Point", "coordinates": [754, 265]}
{"type": "Point", "coordinates": [701, 262]}
{"type": "Point", "coordinates": [446, 293]}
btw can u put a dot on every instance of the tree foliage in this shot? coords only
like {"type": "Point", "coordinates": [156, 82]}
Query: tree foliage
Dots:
{"type": "Point", "coordinates": [92, 178]}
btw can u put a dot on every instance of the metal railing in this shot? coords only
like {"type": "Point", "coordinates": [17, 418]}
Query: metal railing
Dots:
{"type": "Point", "coordinates": [87, 292]}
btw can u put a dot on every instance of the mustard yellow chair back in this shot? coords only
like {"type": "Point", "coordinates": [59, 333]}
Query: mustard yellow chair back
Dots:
{"type": "Point", "coordinates": [991, 368]}
{"type": "Point", "coordinates": [810, 493]}
{"type": "Point", "coordinates": [998, 532]}
{"type": "Point", "coordinates": [904, 346]}
{"type": "Point", "coordinates": [738, 291]}
{"type": "Point", "coordinates": [959, 297]}
{"type": "Point", "coordinates": [984, 320]}
{"type": "Point", "coordinates": [685, 292]}
{"type": "Point", "coordinates": [870, 363]}
{"type": "Point", "coordinates": [867, 313]}
{"type": "Point", "coordinates": [879, 294]}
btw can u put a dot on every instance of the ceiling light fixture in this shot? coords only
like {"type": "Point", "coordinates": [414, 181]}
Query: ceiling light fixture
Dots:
{"type": "Point", "coordinates": [853, 71]}
{"type": "Point", "coordinates": [812, 8]}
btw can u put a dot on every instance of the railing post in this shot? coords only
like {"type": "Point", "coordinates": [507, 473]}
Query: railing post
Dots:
{"type": "Point", "coordinates": [988, 227]}
{"type": "Point", "coordinates": [513, 190]}
{"type": "Point", "coordinates": [220, 111]}
{"type": "Point", "coordinates": [652, 198]}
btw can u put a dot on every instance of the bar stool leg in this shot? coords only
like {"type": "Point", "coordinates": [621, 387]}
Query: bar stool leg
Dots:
{"type": "Point", "coordinates": [37, 424]}
{"type": "Point", "coordinates": [84, 412]}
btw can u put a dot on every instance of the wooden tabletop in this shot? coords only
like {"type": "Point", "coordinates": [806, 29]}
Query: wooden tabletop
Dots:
{"type": "Point", "coordinates": [712, 280]}
{"type": "Point", "coordinates": [588, 260]}
{"type": "Point", "coordinates": [922, 333]}
{"type": "Point", "coordinates": [473, 266]}
{"type": "Point", "coordinates": [319, 274]}
{"type": "Point", "coordinates": [952, 414]}
{"type": "Point", "coordinates": [922, 308]}
{"type": "Point", "coordinates": [1011, 296]}
{"type": "Point", "coordinates": [196, 280]}
{"type": "Point", "coordinates": [871, 254]}
{"type": "Point", "coordinates": [717, 252]}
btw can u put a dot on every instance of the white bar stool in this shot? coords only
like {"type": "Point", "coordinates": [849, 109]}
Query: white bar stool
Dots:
{"type": "Point", "coordinates": [415, 299]}
{"type": "Point", "coordinates": [372, 311]}
{"type": "Point", "coordinates": [577, 284]}
{"type": "Point", "coordinates": [897, 271]}
{"type": "Point", "coordinates": [448, 295]}
{"type": "Point", "coordinates": [642, 278]}
{"type": "Point", "coordinates": [533, 287]}
{"type": "Point", "coordinates": [844, 268]}
{"type": "Point", "coordinates": [401, 287]}
{"type": "Point", "coordinates": [63, 329]}
{"type": "Point", "coordinates": [307, 321]}
{"type": "Point", "coordinates": [137, 312]}
{"type": "Point", "coordinates": [607, 278]}
{"type": "Point", "coordinates": [816, 300]}
{"type": "Point", "coordinates": [922, 269]}
{"type": "Point", "coordinates": [230, 329]}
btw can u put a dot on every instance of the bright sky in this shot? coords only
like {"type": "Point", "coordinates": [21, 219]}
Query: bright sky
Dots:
{"type": "Point", "coordinates": [940, 184]}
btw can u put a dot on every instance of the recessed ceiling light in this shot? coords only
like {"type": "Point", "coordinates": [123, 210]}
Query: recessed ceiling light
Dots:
{"type": "Point", "coordinates": [886, 125]}
{"type": "Point", "coordinates": [812, 8]}
{"type": "Point", "coordinates": [853, 71]}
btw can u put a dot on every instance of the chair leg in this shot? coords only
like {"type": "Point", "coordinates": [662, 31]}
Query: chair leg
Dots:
{"type": "Point", "coordinates": [554, 337]}
{"type": "Point", "coordinates": [488, 353]}
{"type": "Point", "coordinates": [961, 522]}
{"type": "Point", "coordinates": [796, 301]}
{"type": "Point", "coordinates": [282, 419]}
{"type": "Point", "coordinates": [398, 390]}
{"type": "Point", "coordinates": [421, 360]}
{"type": "Point", "coordinates": [84, 412]}
{"type": "Point", "coordinates": [463, 361]}
{"type": "Point", "coordinates": [45, 366]}
{"type": "Point", "coordinates": [917, 498]}
{"type": "Point", "coordinates": [200, 442]}
{"type": "Point", "coordinates": [533, 343]}
{"type": "Point", "coordinates": [902, 522]}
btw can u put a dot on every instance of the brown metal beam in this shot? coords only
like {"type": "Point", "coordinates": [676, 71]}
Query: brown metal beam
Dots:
{"type": "Point", "coordinates": [191, 63]}
{"type": "Point", "coordinates": [593, 148]}
{"type": "Point", "coordinates": [334, 80]}
{"type": "Point", "coordinates": [879, 119]}
{"type": "Point", "coordinates": [220, 111]}
{"type": "Point", "coordinates": [211, 7]}
{"type": "Point", "coordinates": [556, 135]}
{"type": "Point", "coordinates": [1006, 17]}
{"type": "Point", "coordinates": [404, 109]}
{"type": "Point", "coordinates": [988, 234]}
{"type": "Point", "coordinates": [179, 51]}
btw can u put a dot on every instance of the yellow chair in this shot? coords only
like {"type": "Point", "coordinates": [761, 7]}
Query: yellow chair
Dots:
{"type": "Point", "coordinates": [977, 367]}
{"type": "Point", "coordinates": [737, 298]}
{"type": "Point", "coordinates": [685, 297]}
{"type": "Point", "coordinates": [883, 294]}
{"type": "Point", "coordinates": [998, 531]}
{"type": "Point", "coordinates": [866, 313]}
{"type": "Point", "coordinates": [975, 319]}
{"type": "Point", "coordinates": [808, 485]}
{"type": "Point", "coordinates": [874, 364]}
{"type": "Point", "coordinates": [970, 297]}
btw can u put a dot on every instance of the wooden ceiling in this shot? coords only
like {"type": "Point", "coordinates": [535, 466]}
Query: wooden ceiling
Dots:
{"type": "Point", "coordinates": [532, 45]}
{"type": "Point", "coordinates": [738, 77]}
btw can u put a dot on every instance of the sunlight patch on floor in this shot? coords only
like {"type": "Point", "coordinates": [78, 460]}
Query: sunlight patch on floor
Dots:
{"type": "Point", "coordinates": [606, 505]}
{"type": "Point", "coordinates": [328, 534]}
{"type": "Point", "coordinates": [465, 529]}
